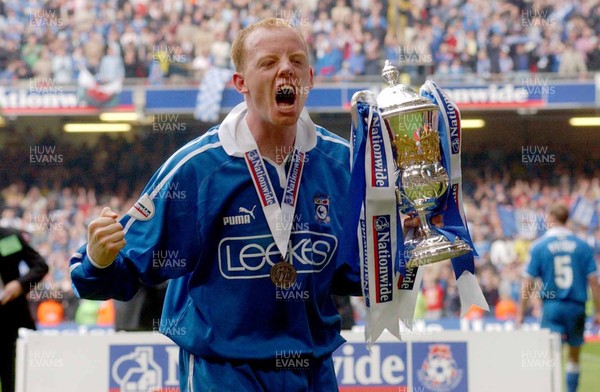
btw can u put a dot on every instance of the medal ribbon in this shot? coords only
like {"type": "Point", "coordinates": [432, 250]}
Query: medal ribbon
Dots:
{"type": "Point", "coordinates": [275, 213]}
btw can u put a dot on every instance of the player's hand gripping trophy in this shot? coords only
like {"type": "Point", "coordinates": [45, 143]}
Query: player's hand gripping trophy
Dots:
{"type": "Point", "coordinates": [413, 123]}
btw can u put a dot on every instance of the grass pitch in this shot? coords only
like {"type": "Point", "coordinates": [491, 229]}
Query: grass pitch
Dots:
{"type": "Point", "coordinates": [590, 368]}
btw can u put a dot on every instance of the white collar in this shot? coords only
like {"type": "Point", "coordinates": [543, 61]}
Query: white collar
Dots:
{"type": "Point", "coordinates": [236, 138]}
{"type": "Point", "coordinates": [558, 232]}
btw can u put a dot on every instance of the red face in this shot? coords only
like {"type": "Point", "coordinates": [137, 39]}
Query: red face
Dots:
{"type": "Point", "coordinates": [276, 77]}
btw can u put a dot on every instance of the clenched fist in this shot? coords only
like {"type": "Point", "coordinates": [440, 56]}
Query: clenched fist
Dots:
{"type": "Point", "coordinates": [105, 238]}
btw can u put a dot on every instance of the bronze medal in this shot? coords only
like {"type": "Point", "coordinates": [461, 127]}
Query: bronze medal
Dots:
{"type": "Point", "coordinates": [283, 275]}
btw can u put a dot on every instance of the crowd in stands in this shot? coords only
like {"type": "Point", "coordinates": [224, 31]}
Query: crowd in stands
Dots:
{"type": "Point", "coordinates": [177, 40]}
{"type": "Point", "coordinates": [53, 200]}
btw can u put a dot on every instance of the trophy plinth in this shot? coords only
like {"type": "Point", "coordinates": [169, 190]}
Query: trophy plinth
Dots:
{"type": "Point", "coordinates": [413, 120]}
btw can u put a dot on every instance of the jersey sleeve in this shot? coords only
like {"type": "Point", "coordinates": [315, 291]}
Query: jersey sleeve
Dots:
{"type": "Point", "coordinates": [161, 235]}
{"type": "Point", "coordinates": [533, 269]}
{"type": "Point", "coordinates": [589, 262]}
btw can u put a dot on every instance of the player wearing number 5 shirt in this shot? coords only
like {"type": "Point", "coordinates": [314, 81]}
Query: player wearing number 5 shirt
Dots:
{"type": "Point", "coordinates": [565, 265]}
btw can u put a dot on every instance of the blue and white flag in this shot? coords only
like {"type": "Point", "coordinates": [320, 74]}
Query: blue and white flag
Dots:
{"type": "Point", "coordinates": [210, 94]}
{"type": "Point", "coordinates": [584, 212]}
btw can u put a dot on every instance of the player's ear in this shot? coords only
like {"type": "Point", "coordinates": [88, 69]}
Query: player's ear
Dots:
{"type": "Point", "coordinates": [240, 83]}
{"type": "Point", "coordinates": [312, 77]}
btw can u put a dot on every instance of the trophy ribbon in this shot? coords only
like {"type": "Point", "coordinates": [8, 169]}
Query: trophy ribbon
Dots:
{"type": "Point", "coordinates": [375, 219]}
{"type": "Point", "coordinates": [455, 223]}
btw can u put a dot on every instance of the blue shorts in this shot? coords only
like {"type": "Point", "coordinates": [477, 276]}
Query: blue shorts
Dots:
{"type": "Point", "coordinates": [566, 318]}
{"type": "Point", "coordinates": [279, 374]}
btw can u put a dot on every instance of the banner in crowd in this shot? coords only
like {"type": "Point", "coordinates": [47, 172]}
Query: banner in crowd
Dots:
{"type": "Point", "coordinates": [54, 100]}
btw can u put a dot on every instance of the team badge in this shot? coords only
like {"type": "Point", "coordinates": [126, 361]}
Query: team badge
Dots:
{"type": "Point", "coordinates": [322, 208]}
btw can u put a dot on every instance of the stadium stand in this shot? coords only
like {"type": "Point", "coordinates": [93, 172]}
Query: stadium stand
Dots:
{"type": "Point", "coordinates": [453, 39]}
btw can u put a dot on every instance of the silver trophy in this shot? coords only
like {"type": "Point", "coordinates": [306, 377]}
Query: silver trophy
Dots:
{"type": "Point", "coordinates": [413, 122]}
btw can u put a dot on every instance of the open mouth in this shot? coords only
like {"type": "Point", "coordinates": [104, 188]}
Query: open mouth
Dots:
{"type": "Point", "coordinates": [285, 96]}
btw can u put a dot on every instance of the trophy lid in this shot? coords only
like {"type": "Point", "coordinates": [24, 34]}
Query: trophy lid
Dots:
{"type": "Point", "coordinates": [398, 98]}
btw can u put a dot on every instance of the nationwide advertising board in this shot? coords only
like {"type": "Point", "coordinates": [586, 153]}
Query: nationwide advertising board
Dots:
{"type": "Point", "coordinates": [47, 99]}
{"type": "Point", "coordinates": [449, 361]}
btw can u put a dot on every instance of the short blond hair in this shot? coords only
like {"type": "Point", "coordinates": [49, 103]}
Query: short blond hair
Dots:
{"type": "Point", "coordinates": [239, 43]}
{"type": "Point", "coordinates": [560, 212]}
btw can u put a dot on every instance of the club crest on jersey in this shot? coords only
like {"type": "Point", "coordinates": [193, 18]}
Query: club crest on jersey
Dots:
{"type": "Point", "coordinates": [143, 209]}
{"type": "Point", "coordinates": [322, 208]}
{"type": "Point", "coordinates": [245, 217]}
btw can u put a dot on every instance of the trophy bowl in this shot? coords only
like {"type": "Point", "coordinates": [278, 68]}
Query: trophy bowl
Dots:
{"type": "Point", "coordinates": [422, 179]}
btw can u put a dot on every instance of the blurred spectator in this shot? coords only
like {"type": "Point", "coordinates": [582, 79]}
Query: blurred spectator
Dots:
{"type": "Point", "coordinates": [521, 59]}
{"type": "Point", "coordinates": [43, 67]}
{"type": "Point", "coordinates": [356, 60]}
{"type": "Point", "coordinates": [93, 50]}
{"type": "Point", "coordinates": [131, 63]}
{"type": "Point", "coordinates": [372, 54]}
{"type": "Point", "coordinates": [572, 62]}
{"type": "Point", "coordinates": [433, 293]}
{"type": "Point", "coordinates": [505, 62]}
{"type": "Point", "coordinates": [594, 58]}
{"type": "Point", "coordinates": [62, 65]}
{"type": "Point", "coordinates": [502, 252]}
{"type": "Point", "coordinates": [329, 58]}
{"type": "Point", "coordinates": [219, 50]}
{"type": "Point", "coordinates": [341, 13]}
{"type": "Point", "coordinates": [21, 268]}
{"type": "Point", "coordinates": [31, 51]}
{"type": "Point", "coordinates": [111, 67]}
{"type": "Point", "coordinates": [483, 66]}
{"type": "Point", "coordinates": [489, 280]}
{"type": "Point", "coordinates": [494, 50]}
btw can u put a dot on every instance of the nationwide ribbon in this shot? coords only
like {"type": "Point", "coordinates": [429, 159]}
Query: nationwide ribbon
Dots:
{"type": "Point", "coordinates": [451, 208]}
{"type": "Point", "coordinates": [373, 217]}
{"type": "Point", "coordinates": [273, 211]}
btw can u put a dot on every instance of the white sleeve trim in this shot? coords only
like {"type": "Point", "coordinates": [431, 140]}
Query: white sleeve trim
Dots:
{"type": "Point", "coordinates": [525, 274]}
{"type": "Point", "coordinates": [87, 250]}
{"type": "Point", "coordinates": [595, 274]}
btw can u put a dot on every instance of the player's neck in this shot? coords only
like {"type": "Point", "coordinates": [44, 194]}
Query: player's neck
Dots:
{"type": "Point", "coordinates": [274, 143]}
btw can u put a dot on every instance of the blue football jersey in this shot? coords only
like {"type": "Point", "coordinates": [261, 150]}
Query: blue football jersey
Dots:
{"type": "Point", "coordinates": [199, 223]}
{"type": "Point", "coordinates": [563, 262]}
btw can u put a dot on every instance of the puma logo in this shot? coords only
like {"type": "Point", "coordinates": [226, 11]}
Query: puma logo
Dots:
{"type": "Point", "coordinates": [240, 219]}
{"type": "Point", "coordinates": [247, 211]}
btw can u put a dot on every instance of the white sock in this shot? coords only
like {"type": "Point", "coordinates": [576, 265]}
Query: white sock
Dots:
{"type": "Point", "coordinates": [572, 367]}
